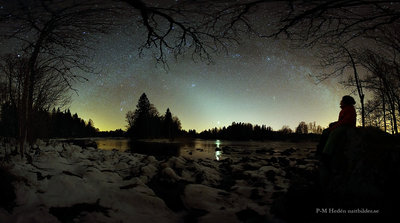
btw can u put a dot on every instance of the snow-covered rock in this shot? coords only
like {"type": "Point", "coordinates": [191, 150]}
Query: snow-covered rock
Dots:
{"type": "Point", "coordinates": [63, 182]}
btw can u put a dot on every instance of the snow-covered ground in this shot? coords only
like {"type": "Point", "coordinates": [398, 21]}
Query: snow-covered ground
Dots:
{"type": "Point", "coordinates": [61, 182]}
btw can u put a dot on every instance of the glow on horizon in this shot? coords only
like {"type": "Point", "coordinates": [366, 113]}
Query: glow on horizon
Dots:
{"type": "Point", "coordinates": [258, 82]}
{"type": "Point", "coordinates": [210, 107]}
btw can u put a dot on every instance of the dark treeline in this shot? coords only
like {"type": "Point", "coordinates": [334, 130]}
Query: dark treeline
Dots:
{"type": "Point", "coordinates": [238, 131]}
{"type": "Point", "coordinates": [146, 122]}
{"type": "Point", "coordinates": [46, 124]}
{"type": "Point", "coordinates": [114, 133]}
{"type": "Point", "coordinates": [247, 131]}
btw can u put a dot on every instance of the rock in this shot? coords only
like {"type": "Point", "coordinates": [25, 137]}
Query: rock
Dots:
{"type": "Point", "coordinates": [83, 143]}
{"type": "Point", "coordinates": [364, 168]}
{"type": "Point", "coordinates": [275, 170]}
{"type": "Point", "coordinates": [243, 190]}
{"type": "Point", "coordinates": [93, 185]}
{"type": "Point", "coordinates": [288, 152]}
{"type": "Point", "coordinates": [7, 193]}
{"type": "Point", "coordinates": [283, 162]}
{"type": "Point", "coordinates": [36, 214]}
{"type": "Point", "coordinates": [249, 215]}
{"type": "Point", "coordinates": [201, 197]}
{"type": "Point", "coordinates": [170, 173]}
{"type": "Point", "coordinates": [362, 172]}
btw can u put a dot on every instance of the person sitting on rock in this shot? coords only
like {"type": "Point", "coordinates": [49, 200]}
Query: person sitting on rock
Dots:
{"type": "Point", "coordinates": [333, 136]}
{"type": "Point", "coordinates": [347, 118]}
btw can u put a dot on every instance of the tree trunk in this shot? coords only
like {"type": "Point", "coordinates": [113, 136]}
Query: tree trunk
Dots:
{"type": "Point", "coordinates": [394, 120]}
{"type": "Point", "coordinates": [362, 110]}
{"type": "Point", "coordinates": [359, 86]}
{"type": "Point", "coordinates": [384, 112]}
{"type": "Point", "coordinates": [27, 97]}
{"type": "Point", "coordinates": [23, 114]}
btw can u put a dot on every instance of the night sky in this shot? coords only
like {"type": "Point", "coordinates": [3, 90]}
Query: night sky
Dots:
{"type": "Point", "coordinates": [260, 81]}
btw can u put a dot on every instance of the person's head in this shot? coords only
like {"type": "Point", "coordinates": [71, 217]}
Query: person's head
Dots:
{"type": "Point", "coordinates": [347, 100]}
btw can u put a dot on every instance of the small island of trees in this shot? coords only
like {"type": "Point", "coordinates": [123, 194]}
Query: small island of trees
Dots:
{"type": "Point", "coordinates": [146, 122]}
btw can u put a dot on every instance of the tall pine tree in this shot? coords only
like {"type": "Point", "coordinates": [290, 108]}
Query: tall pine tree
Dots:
{"type": "Point", "coordinates": [168, 125]}
{"type": "Point", "coordinates": [144, 120]}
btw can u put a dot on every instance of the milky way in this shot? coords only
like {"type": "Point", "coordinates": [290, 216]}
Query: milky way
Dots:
{"type": "Point", "coordinates": [259, 81]}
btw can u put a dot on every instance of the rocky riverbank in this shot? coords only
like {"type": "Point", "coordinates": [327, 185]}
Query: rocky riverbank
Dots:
{"type": "Point", "coordinates": [62, 182]}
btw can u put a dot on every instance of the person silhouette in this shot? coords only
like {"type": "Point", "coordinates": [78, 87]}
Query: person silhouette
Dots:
{"type": "Point", "coordinates": [347, 118]}
{"type": "Point", "coordinates": [333, 136]}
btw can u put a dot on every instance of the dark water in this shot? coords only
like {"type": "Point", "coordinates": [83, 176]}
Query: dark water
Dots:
{"type": "Point", "coordinates": [196, 148]}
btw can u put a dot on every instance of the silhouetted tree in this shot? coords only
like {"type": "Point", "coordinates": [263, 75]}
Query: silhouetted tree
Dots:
{"type": "Point", "coordinates": [50, 34]}
{"type": "Point", "coordinates": [176, 126]}
{"type": "Point", "coordinates": [145, 121]}
{"type": "Point", "coordinates": [167, 124]}
{"type": "Point", "coordinates": [384, 80]}
{"type": "Point", "coordinates": [285, 130]}
{"type": "Point", "coordinates": [302, 128]}
{"type": "Point", "coordinates": [339, 59]}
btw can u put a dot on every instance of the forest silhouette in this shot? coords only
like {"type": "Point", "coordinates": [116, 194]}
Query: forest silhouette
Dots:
{"type": "Point", "coordinates": [145, 122]}
{"type": "Point", "coordinates": [46, 124]}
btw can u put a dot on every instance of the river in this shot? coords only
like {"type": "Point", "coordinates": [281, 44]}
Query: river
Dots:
{"type": "Point", "coordinates": [195, 148]}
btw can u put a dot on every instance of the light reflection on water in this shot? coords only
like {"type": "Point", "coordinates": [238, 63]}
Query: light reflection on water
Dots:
{"type": "Point", "coordinates": [218, 155]}
{"type": "Point", "coordinates": [120, 144]}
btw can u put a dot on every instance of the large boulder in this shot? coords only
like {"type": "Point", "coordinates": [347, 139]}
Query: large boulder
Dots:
{"type": "Point", "coordinates": [365, 171]}
{"type": "Point", "coordinates": [360, 179]}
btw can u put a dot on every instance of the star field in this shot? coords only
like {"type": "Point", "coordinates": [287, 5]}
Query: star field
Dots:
{"type": "Point", "coordinates": [260, 81]}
